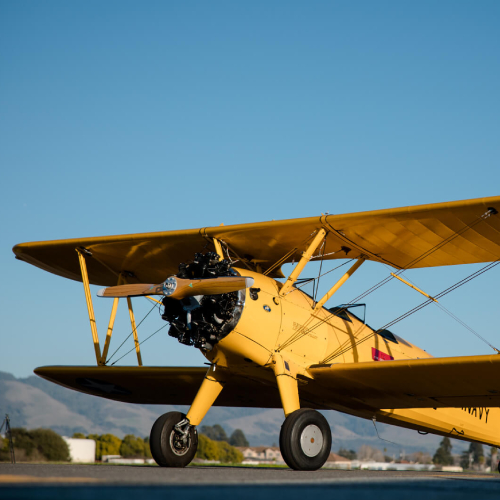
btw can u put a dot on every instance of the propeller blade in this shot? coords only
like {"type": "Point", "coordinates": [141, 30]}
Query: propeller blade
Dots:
{"type": "Point", "coordinates": [209, 286]}
{"type": "Point", "coordinates": [134, 290]}
{"type": "Point", "coordinates": [177, 288]}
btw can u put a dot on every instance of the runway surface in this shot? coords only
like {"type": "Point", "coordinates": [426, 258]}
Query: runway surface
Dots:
{"type": "Point", "coordinates": [44, 481]}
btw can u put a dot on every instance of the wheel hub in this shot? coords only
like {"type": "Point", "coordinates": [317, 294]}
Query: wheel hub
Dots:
{"type": "Point", "coordinates": [311, 440]}
{"type": "Point", "coordinates": [179, 444]}
{"type": "Point", "coordinates": [180, 440]}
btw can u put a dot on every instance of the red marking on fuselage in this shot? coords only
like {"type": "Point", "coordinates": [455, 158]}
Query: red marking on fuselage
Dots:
{"type": "Point", "coordinates": [380, 356]}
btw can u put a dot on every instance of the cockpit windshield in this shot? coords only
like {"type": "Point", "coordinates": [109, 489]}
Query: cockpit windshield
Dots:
{"type": "Point", "coordinates": [344, 311]}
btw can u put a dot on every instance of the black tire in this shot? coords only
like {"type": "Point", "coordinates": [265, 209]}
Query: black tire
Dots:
{"type": "Point", "coordinates": [161, 442]}
{"type": "Point", "coordinates": [305, 440]}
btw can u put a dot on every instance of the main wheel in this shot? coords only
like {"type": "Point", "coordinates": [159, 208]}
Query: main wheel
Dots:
{"type": "Point", "coordinates": [305, 440]}
{"type": "Point", "coordinates": [168, 446]}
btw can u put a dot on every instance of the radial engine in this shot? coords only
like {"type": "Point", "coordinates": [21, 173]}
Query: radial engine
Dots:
{"type": "Point", "coordinates": [203, 320]}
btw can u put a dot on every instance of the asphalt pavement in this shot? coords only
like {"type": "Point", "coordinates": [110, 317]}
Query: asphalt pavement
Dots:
{"type": "Point", "coordinates": [62, 481]}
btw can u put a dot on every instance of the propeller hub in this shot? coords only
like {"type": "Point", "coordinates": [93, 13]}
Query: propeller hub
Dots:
{"type": "Point", "coordinates": [169, 286]}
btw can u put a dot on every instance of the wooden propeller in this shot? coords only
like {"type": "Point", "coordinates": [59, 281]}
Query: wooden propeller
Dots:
{"type": "Point", "coordinates": [177, 288]}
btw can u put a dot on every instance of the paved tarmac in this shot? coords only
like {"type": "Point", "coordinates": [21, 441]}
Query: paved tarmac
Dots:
{"type": "Point", "coordinates": [44, 481]}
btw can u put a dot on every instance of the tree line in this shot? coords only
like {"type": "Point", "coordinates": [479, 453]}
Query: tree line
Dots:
{"type": "Point", "coordinates": [37, 445]}
{"type": "Point", "coordinates": [108, 444]}
{"type": "Point", "coordinates": [40, 445]}
{"type": "Point", "coordinates": [213, 445]}
{"type": "Point", "coordinates": [474, 458]}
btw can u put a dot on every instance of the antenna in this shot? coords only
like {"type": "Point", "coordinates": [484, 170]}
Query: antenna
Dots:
{"type": "Point", "coordinates": [8, 433]}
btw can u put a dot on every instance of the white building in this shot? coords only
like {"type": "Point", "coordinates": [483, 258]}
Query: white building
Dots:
{"type": "Point", "coordinates": [272, 454]}
{"type": "Point", "coordinates": [335, 461]}
{"type": "Point", "coordinates": [372, 465]}
{"type": "Point", "coordinates": [81, 450]}
{"type": "Point", "coordinates": [261, 454]}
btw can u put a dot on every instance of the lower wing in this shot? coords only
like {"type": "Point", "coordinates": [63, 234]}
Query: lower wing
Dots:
{"type": "Point", "coordinates": [158, 385]}
{"type": "Point", "coordinates": [455, 382]}
{"type": "Point", "coordinates": [469, 381]}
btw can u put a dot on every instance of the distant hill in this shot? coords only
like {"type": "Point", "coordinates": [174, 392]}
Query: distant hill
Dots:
{"type": "Point", "coordinates": [34, 402]}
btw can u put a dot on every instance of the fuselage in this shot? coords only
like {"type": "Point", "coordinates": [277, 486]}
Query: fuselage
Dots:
{"type": "Point", "coordinates": [288, 324]}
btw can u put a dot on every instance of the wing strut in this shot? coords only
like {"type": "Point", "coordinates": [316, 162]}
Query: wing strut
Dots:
{"type": "Point", "coordinates": [218, 249]}
{"type": "Point", "coordinates": [90, 307]}
{"type": "Point", "coordinates": [111, 324]}
{"type": "Point", "coordinates": [134, 331]}
{"type": "Point", "coordinates": [339, 283]}
{"type": "Point", "coordinates": [306, 257]}
{"type": "Point", "coordinates": [101, 358]}
{"type": "Point", "coordinates": [413, 286]}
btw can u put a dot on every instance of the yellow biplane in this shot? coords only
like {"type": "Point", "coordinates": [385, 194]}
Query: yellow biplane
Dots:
{"type": "Point", "coordinates": [269, 344]}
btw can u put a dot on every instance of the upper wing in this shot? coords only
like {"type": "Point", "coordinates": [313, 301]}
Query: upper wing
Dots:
{"type": "Point", "coordinates": [397, 236]}
{"type": "Point", "coordinates": [457, 382]}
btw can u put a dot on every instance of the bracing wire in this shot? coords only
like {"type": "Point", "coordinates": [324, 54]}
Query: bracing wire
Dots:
{"type": "Point", "coordinates": [484, 216]}
{"type": "Point", "coordinates": [460, 321]}
{"type": "Point", "coordinates": [305, 281]}
{"type": "Point", "coordinates": [304, 330]}
{"type": "Point", "coordinates": [466, 326]}
{"type": "Point", "coordinates": [140, 343]}
{"type": "Point", "coordinates": [299, 334]}
{"type": "Point", "coordinates": [460, 283]}
{"type": "Point", "coordinates": [426, 254]}
{"type": "Point", "coordinates": [316, 282]}
{"type": "Point", "coordinates": [131, 333]}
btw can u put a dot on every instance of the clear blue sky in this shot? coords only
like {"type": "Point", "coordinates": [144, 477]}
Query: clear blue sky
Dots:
{"type": "Point", "coordinates": [127, 116]}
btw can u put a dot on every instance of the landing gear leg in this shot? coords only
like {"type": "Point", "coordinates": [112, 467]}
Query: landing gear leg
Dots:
{"type": "Point", "coordinates": [305, 437]}
{"type": "Point", "coordinates": [305, 440]}
{"type": "Point", "coordinates": [207, 394]}
{"type": "Point", "coordinates": [173, 438]}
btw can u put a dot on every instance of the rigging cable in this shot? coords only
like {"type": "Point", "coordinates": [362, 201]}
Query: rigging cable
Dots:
{"type": "Point", "coordinates": [488, 213]}
{"type": "Point", "coordinates": [140, 343]}
{"type": "Point", "coordinates": [316, 283]}
{"type": "Point", "coordinates": [460, 321]}
{"type": "Point", "coordinates": [131, 333]}
{"type": "Point", "coordinates": [302, 332]}
{"type": "Point", "coordinates": [465, 325]}
{"type": "Point", "coordinates": [306, 328]}
{"type": "Point", "coordinates": [304, 281]}
{"type": "Point", "coordinates": [289, 254]}
{"type": "Point", "coordinates": [460, 283]}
